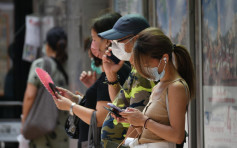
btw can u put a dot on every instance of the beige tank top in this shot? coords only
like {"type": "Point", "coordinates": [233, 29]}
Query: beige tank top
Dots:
{"type": "Point", "coordinates": [156, 109]}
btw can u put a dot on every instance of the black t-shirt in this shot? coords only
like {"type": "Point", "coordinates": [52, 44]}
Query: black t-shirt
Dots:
{"type": "Point", "coordinates": [99, 92]}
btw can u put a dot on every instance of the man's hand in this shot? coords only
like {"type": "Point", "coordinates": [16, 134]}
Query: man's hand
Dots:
{"type": "Point", "coordinates": [110, 67]}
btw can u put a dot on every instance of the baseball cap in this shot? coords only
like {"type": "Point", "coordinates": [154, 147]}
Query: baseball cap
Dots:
{"type": "Point", "coordinates": [126, 25]}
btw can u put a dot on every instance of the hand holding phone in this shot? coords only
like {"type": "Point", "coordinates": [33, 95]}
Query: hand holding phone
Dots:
{"type": "Point", "coordinates": [113, 58]}
{"type": "Point", "coordinates": [116, 113]}
{"type": "Point", "coordinates": [53, 88]}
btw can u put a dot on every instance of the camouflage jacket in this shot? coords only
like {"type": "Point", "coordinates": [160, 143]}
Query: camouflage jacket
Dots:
{"type": "Point", "coordinates": [136, 90]}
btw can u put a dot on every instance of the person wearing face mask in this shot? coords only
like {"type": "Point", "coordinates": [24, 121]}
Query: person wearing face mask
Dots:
{"type": "Point", "coordinates": [136, 90]}
{"type": "Point", "coordinates": [89, 78]}
{"type": "Point", "coordinates": [97, 96]}
{"type": "Point", "coordinates": [162, 122]}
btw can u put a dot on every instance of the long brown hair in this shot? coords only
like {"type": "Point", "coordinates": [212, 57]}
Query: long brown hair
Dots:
{"type": "Point", "coordinates": [152, 43]}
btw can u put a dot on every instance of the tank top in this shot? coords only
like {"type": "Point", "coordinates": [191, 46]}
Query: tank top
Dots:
{"type": "Point", "coordinates": [157, 110]}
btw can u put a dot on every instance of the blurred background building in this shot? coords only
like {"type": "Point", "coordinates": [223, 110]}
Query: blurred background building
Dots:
{"type": "Point", "coordinates": [208, 28]}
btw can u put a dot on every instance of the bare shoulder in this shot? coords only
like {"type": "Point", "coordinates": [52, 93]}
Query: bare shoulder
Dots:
{"type": "Point", "coordinates": [177, 90]}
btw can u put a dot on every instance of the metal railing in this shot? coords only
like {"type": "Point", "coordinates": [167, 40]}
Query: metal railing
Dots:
{"type": "Point", "coordinates": [9, 128]}
{"type": "Point", "coordinates": [10, 103]}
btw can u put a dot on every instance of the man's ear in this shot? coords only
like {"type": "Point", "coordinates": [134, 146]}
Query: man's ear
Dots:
{"type": "Point", "coordinates": [108, 43]}
{"type": "Point", "coordinates": [136, 36]}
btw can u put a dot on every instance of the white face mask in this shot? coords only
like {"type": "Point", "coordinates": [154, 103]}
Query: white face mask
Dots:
{"type": "Point", "coordinates": [154, 73]}
{"type": "Point", "coordinates": [118, 50]}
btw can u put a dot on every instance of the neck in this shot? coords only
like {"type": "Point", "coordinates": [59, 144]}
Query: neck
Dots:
{"type": "Point", "coordinates": [52, 54]}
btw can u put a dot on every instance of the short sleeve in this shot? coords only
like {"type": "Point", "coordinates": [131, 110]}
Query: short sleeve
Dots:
{"type": "Point", "coordinates": [102, 89]}
{"type": "Point", "coordinates": [32, 77]}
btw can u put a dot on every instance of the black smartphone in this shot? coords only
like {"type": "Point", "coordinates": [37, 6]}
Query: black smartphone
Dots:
{"type": "Point", "coordinates": [113, 58]}
{"type": "Point", "coordinates": [115, 112]}
{"type": "Point", "coordinates": [53, 88]}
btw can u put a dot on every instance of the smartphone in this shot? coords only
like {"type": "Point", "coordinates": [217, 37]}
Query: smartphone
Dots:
{"type": "Point", "coordinates": [115, 112]}
{"type": "Point", "coordinates": [115, 107]}
{"type": "Point", "coordinates": [113, 58]}
{"type": "Point", "coordinates": [53, 88]}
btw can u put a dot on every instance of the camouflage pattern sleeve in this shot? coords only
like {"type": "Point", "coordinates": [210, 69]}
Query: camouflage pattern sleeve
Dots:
{"type": "Point", "coordinates": [136, 90]}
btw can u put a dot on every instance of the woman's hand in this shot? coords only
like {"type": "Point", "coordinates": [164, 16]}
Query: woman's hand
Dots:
{"type": "Point", "coordinates": [62, 103]}
{"type": "Point", "coordinates": [134, 116]}
{"type": "Point", "coordinates": [66, 93]}
{"type": "Point", "coordinates": [88, 78]}
{"type": "Point", "coordinates": [110, 67]}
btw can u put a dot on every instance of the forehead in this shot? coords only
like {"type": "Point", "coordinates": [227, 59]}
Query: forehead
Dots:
{"type": "Point", "coordinates": [94, 33]}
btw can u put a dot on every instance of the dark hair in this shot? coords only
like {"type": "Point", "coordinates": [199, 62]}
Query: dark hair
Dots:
{"type": "Point", "coordinates": [57, 40]}
{"type": "Point", "coordinates": [153, 43]}
{"type": "Point", "coordinates": [105, 22]}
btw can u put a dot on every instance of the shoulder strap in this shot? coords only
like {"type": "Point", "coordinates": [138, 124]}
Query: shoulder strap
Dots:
{"type": "Point", "coordinates": [94, 132]}
{"type": "Point", "coordinates": [47, 65]}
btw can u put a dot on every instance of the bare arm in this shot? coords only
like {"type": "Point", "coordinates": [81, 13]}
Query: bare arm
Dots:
{"type": "Point", "coordinates": [29, 98]}
{"type": "Point", "coordinates": [113, 89]}
{"type": "Point", "coordinates": [111, 70]}
{"type": "Point", "coordinates": [82, 112]}
{"type": "Point", "coordinates": [86, 113]}
{"type": "Point", "coordinates": [177, 108]}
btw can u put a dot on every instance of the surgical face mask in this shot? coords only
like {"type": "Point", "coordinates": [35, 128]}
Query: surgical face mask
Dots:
{"type": "Point", "coordinates": [154, 72]}
{"type": "Point", "coordinates": [98, 70]}
{"type": "Point", "coordinates": [118, 50]}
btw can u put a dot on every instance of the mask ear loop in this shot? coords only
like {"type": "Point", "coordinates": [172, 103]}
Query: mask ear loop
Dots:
{"type": "Point", "coordinates": [164, 66]}
{"type": "Point", "coordinates": [129, 40]}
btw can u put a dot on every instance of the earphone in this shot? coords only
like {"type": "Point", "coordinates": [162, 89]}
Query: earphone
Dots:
{"type": "Point", "coordinates": [164, 59]}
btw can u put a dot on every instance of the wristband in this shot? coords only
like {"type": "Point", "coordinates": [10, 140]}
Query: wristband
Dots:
{"type": "Point", "coordinates": [70, 111]}
{"type": "Point", "coordinates": [146, 122]}
{"type": "Point", "coordinates": [112, 83]}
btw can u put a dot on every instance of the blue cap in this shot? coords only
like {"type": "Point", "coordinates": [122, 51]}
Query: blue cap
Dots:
{"type": "Point", "coordinates": [126, 25]}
